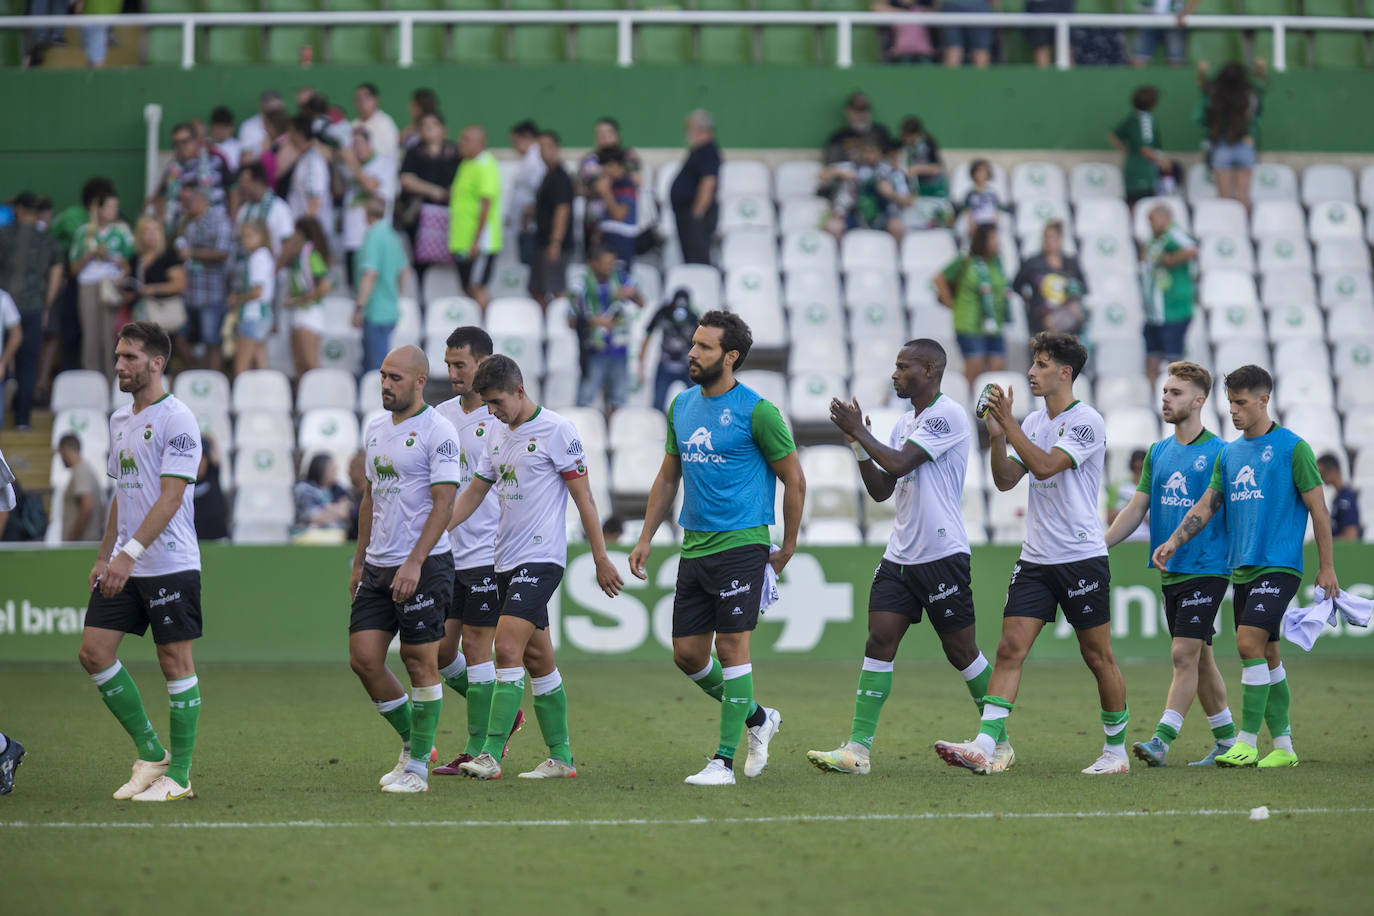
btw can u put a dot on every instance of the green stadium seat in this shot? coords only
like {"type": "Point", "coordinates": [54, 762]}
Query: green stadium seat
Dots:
{"type": "Point", "coordinates": [477, 44]}
{"type": "Point", "coordinates": [663, 44]}
{"type": "Point", "coordinates": [429, 42]}
{"type": "Point", "coordinates": [232, 44]}
{"type": "Point", "coordinates": [537, 44]}
{"type": "Point", "coordinates": [597, 44]}
{"type": "Point", "coordinates": [787, 44]}
{"type": "Point", "coordinates": [358, 44]}
{"type": "Point", "coordinates": [1263, 39]}
{"type": "Point", "coordinates": [163, 45]}
{"type": "Point", "coordinates": [866, 46]}
{"type": "Point", "coordinates": [1336, 50]}
{"type": "Point", "coordinates": [284, 43]}
{"type": "Point", "coordinates": [725, 44]}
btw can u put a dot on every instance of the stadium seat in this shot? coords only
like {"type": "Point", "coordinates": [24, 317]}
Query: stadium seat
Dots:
{"type": "Point", "coordinates": [747, 211]}
{"type": "Point", "coordinates": [80, 388]}
{"type": "Point", "coordinates": [1103, 216]}
{"type": "Point", "coordinates": [1095, 180]}
{"type": "Point", "coordinates": [285, 43]}
{"type": "Point", "coordinates": [1141, 215]}
{"type": "Point", "coordinates": [1113, 301]}
{"type": "Point", "coordinates": [818, 354]}
{"type": "Point", "coordinates": [809, 249]}
{"type": "Point", "coordinates": [440, 281]}
{"type": "Point", "coordinates": [724, 44]}
{"type": "Point", "coordinates": [265, 503]}
{"type": "Point", "coordinates": [1332, 49]}
{"type": "Point", "coordinates": [1334, 219]}
{"type": "Point", "coordinates": [1036, 180]}
{"type": "Point", "coordinates": [1232, 322]}
{"type": "Point", "coordinates": [630, 425]}
{"type": "Point", "coordinates": [261, 390]}
{"type": "Point", "coordinates": [749, 248]}
{"type": "Point", "coordinates": [324, 388]}
{"type": "Point", "coordinates": [1227, 287]}
{"type": "Point", "coordinates": [1284, 252]}
{"type": "Point", "coordinates": [961, 182]}
{"type": "Point", "coordinates": [927, 251]}
{"type": "Point", "coordinates": [356, 44]}
{"type": "Point", "coordinates": [633, 469]}
{"type": "Point", "coordinates": [1275, 217]}
{"type": "Point", "coordinates": [662, 44]}
{"type": "Point", "coordinates": [260, 533]}
{"type": "Point", "coordinates": [868, 248]}
{"type": "Point", "coordinates": [745, 177]}
{"type": "Point", "coordinates": [232, 44]}
{"type": "Point", "coordinates": [1007, 513]}
{"type": "Point", "coordinates": [263, 463]}
{"type": "Point", "coordinates": [1300, 354]}
{"type": "Point", "coordinates": [1232, 354]}
{"type": "Point", "coordinates": [329, 430]}
{"type": "Point", "coordinates": [525, 348]}
{"type": "Point", "coordinates": [1299, 389]}
{"type": "Point", "coordinates": [801, 287]}
{"type": "Point", "coordinates": [1367, 187]}
{"type": "Point", "coordinates": [832, 532]}
{"type": "Point", "coordinates": [591, 427]}
{"type": "Point", "coordinates": [1296, 322]}
{"type": "Point", "coordinates": [1273, 181]}
{"type": "Point", "coordinates": [771, 386]}
{"type": "Point", "coordinates": [702, 280]}
{"type": "Point", "coordinates": [1342, 254]}
{"type": "Point", "coordinates": [202, 390]}
{"type": "Point", "coordinates": [833, 482]}
{"type": "Point", "coordinates": [1327, 182]}
{"type": "Point", "coordinates": [1118, 356]}
{"type": "Point", "coordinates": [477, 44]}
{"type": "Point", "coordinates": [1220, 217]}
{"type": "Point", "coordinates": [1338, 289]}
{"type": "Point", "coordinates": [1131, 428]}
{"type": "Point", "coordinates": [510, 279]}
{"type": "Point", "coordinates": [90, 425]}
{"type": "Point", "coordinates": [1032, 213]}
{"type": "Point", "coordinates": [255, 427]}
{"type": "Point", "coordinates": [1353, 357]}
{"type": "Point", "coordinates": [808, 397]}
{"type": "Point", "coordinates": [1118, 392]}
{"type": "Point", "coordinates": [1288, 287]}
{"type": "Point", "coordinates": [817, 320]}
{"type": "Point", "coordinates": [1357, 430]}
{"type": "Point", "coordinates": [1200, 185]}
{"type": "Point", "coordinates": [802, 214]}
{"type": "Point", "coordinates": [749, 285]}
{"type": "Point", "coordinates": [796, 178]}
{"type": "Point", "coordinates": [878, 321]}
{"type": "Point", "coordinates": [1226, 252]}
{"type": "Point", "coordinates": [863, 288]}
{"type": "Point", "coordinates": [1352, 320]}
{"type": "Point", "coordinates": [1100, 253]}
{"type": "Point", "coordinates": [512, 315]}
{"type": "Point", "coordinates": [1320, 426]}
{"type": "Point", "coordinates": [649, 281]}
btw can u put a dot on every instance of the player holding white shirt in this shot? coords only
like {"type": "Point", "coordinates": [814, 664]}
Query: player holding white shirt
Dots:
{"type": "Point", "coordinates": [403, 566]}
{"type": "Point", "coordinates": [475, 609]}
{"type": "Point", "coordinates": [926, 564]}
{"type": "Point", "coordinates": [535, 461]}
{"type": "Point", "coordinates": [1064, 559]}
{"type": "Point", "coordinates": [147, 570]}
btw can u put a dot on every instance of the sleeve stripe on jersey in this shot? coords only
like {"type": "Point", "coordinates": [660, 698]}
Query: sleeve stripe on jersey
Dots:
{"type": "Point", "coordinates": [929, 456]}
{"type": "Point", "coordinates": [1018, 461]}
{"type": "Point", "coordinates": [435, 483]}
{"type": "Point", "coordinates": [1070, 454]}
{"type": "Point", "coordinates": [179, 477]}
{"type": "Point", "coordinates": [480, 477]}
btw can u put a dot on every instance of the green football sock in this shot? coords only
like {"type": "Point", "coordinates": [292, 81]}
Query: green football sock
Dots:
{"type": "Point", "coordinates": [184, 699]}
{"type": "Point", "coordinates": [996, 727]}
{"type": "Point", "coordinates": [479, 714]}
{"type": "Point", "coordinates": [1114, 726]}
{"type": "Point", "coordinates": [1170, 724]}
{"type": "Point", "coordinates": [551, 709]}
{"type": "Point", "coordinates": [459, 684]}
{"type": "Point", "coordinates": [397, 713]}
{"type": "Point", "coordinates": [1254, 694]}
{"type": "Point", "coordinates": [1223, 727]}
{"type": "Point", "coordinates": [710, 680]}
{"type": "Point", "coordinates": [1276, 706]}
{"type": "Point", "coordinates": [736, 700]}
{"type": "Point", "coordinates": [978, 687]}
{"type": "Point", "coordinates": [425, 704]}
{"type": "Point", "coordinates": [875, 683]}
{"type": "Point", "coordinates": [505, 703]}
{"type": "Point", "coordinates": [120, 693]}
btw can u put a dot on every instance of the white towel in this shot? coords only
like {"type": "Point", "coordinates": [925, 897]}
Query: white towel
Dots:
{"type": "Point", "coordinates": [1302, 625]}
{"type": "Point", "coordinates": [770, 582]}
{"type": "Point", "coordinates": [1353, 609]}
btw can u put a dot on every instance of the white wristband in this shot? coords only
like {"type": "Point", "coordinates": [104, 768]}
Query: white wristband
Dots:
{"type": "Point", "coordinates": [133, 548]}
{"type": "Point", "coordinates": [860, 452]}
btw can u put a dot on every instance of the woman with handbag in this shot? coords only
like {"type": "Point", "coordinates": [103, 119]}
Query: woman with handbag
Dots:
{"type": "Point", "coordinates": [99, 260]}
{"type": "Point", "coordinates": [426, 176]}
{"type": "Point", "coordinates": [159, 280]}
{"type": "Point", "coordinates": [305, 261]}
{"type": "Point", "coordinates": [974, 287]}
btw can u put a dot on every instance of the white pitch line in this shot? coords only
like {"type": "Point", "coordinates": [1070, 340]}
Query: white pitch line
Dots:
{"type": "Point", "coordinates": [666, 822]}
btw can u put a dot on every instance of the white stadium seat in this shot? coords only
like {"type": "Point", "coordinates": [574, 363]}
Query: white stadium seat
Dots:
{"type": "Point", "coordinates": [1299, 389]}
{"type": "Point", "coordinates": [1038, 179]}
{"type": "Point", "coordinates": [119, 398]}
{"type": "Point", "coordinates": [1113, 299]}
{"type": "Point", "coordinates": [804, 286]}
{"type": "Point", "coordinates": [809, 397]}
{"type": "Point", "coordinates": [1234, 322]}
{"type": "Point", "coordinates": [1367, 187]}
{"type": "Point", "coordinates": [1353, 356]}
{"type": "Point", "coordinates": [748, 285]}
{"type": "Point", "coordinates": [1131, 428]}
{"type": "Point", "coordinates": [771, 386]}
{"type": "Point", "coordinates": [1227, 287]}
{"type": "Point", "coordinates": [634, 468]}
{"type": "Point", "coordinates": [1275, 217]}
{"type": "Point", "coordinates": [1118, 356]}
{"type": "Point", "coordinates": [936, 322]}
{"type": "Point", "coordinates": [1007, 513]}
{"type": "Point", "coordinates": [509, 278]}
{"type": "Point", "coordinates": [1220, 217]}
{"type": "Point", "coordinates": [1106, 251]}
{"type": "Point", "coordinates": [1116, 392]}
{"type": "Point", "coordinates": [629, 425]}
{"type": "Point", "coordinates": [1320, 426]}
{"type": "Point", "coordinates": [1095, 180]}
{"type": "Point", "coordinates": [1357, 431]}
{"type": "Point", "coordinates": [1033, 213]}
{"type": "Point", "coordinates": [702, 280]}
{"type": "Point", "coordinates": [80, 388]}
{"type": "Point", "coordinates": [263, 463]}
{"type": "Point", "coordinates": [1273, 181]}
{"type": "Point", "coordinates": [802, 213]}
{"type": "Point", "coordinates": [527, 349]}
{"type": "Point", "coordinates": [749, 248]}
{"type": "Point", "coordinates": [515, 315]}
{"type": "Point", "coordinates": [1296, 322]}
{"type": "Point", "coordinates": [320, 388]}
{"type": "Point", "coordinates": [745, 176]}
{"type": "Point", "coordinates": [591, 427]}
{"type": "Point", "coordinates": [878, 321]}
{"type": "Point", "coordinates": [440, 282]}
{"type": "Point", "coordinates": [833, 483]}
{"type": "Point", "coordinates": [1352, 321]}
{"type": "Point", "coordinates": [1339, 289]}
{"type": "Point", "coordinates": [198, 389]}
{"type": "Point", "coordinates": [747, 211]}
{"type": "Point", "coordinates": [329, 430]}
{"type": "Point", "coordinates": [818, 354]}
{"type": "Point", "coordinates": [817, 319]}
{"type": "Point", "coordinates": [868, 248]}
{"type": "Point", "coordinates": [90, 425]}
{"type": "Point", "coordinates": [649, 281]}
{"type": "Point", "coordinates": [1226, 252]}
{"type": "Point", "coordinates": [1327, 181]}
{"type": "Point", "coordinates": [264, 427]}
{"type": "Point", "coordinates": [1200, 185]}
{"type": "Point", "coordinates": [928, 250]}
{"type": "Point", "coordinates": [1141, 215]}
{"type": "Point", "coordinates": [1103, 216]}
{"type": "Point", "coordinates": [866, 287]}
{"type": "Point", "coordinates": [442, 315]}
{"type": "Point", "coordinates": [1284, 252]}
{"type": "Point", "coordinates": [1232, 354]}
{"type": "Point", "coordinates": [1335, 220]}
{"type": "Point", "coordinates": [1342, 254]}
{"type": "Point", "coordinates": [1288, 287]}
{"type": "Point", "coordinates": [796, 179]}
{"type": "Point", "coordinates": [809, 249]}
{"type": "Point", "coordinates": [409, 329]}
{"type": "Point", "coordinates": [270, 503]}
{"type": "Point", "coordinates": [261, 390]}
{"type": "Point", "coordinates": [1355, 390]}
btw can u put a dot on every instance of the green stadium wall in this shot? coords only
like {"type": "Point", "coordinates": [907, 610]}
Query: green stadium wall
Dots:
{"type": "Point", "coordinates": [69, 125]}
{"type": "Point", "coordinates": [275, 604]}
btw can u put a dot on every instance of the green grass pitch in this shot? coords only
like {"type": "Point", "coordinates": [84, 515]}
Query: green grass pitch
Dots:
{"type": "Point", "coordinates": [281, 744]}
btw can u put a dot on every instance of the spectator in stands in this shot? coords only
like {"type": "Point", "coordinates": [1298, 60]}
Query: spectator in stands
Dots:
{"type": "Point", "coordinates": [1137, 138]}
{"type": "Point", "coordinates": [859, 127]}
{"type": "Point", "coordinates": [11, 335]}
{"type": "Point", "coordinates": [1345, 504]}
{"type": "Point", "coordinates": [210, 506]}
{"type": "Point", "coordinates": [99, 259]}
{"type": "Point", "coordinates": [693, 194]}
{"type": "Point", "coordinates": [975, 288]}
{"type": "Point", "coordinates": [206, 241]}
{"type": "Point", "coordinates": [381, 129]}
{"type": "Point", "coordinates": [310, 191]}
{"type": "Point", "coordinates": [907, 42]}
{"type": "Point", "coordinates": [676, 321]}
{"type": "Point", "coordinates": [254, 292]}
{"type": "Point", "coordinates": [192, 163]}
{"type": "Point", "coordinates": [475, 213]}
{"type": "Point", "coordinates": [42, 39]}
{"type": "Point", "coordinates": [253, 131]}
{"type": "Point", "coordinates": [95, 39]}
{"type": "Point", "coordinates": [1052, 286]}
{"type": "Point", "coordinates": [603, 313]}
{"type": "Point", "coordinates": [370, 174]}
{"type": "Point", "coordinates": [378, 284]}
{"type": "Point", "coordinates": [553, 240]}
{"type": "Point", "coordinates": [426, 176]}
{"type": "Point", "coordinates": [31, 272]}
{"type": "Point", "coordinates": [82, 518]}
{"type": "Point", "coordinates": [1175, 39]}
{"type": "Point", "coordinates": [615, 191]}
{"type": "Point", "coordinates": [304, 263]}
{"type": "Point", "coordinates": [981, 206]}
{"type": "Point", "coordinates": [1041, 40]}
{"type": "Point", "coordinates": [329, 124]}
{"type": "Point", "coordinates": [422, 102]}
{"type": "Point", "coordinates": [960, 40]}
{"type": "Point", "coordinates": [1119, 493]}
{"type": "Point", "coordinates": [357, 483]}
{"type": "Point", "coordinates": [320, 501]}
{"type": "Point", "coordinates": [1170, 297]}
{"type": "Point", "coordinates": [276, 155]}
{"type": "Point", "coordinates": [1230, 110]}
{"type": "Point", "coordinates": [870, 193]}
{"type": "Point", "coordinates": [223, 142]}
{"type": "Point", "coordinates": [62, 334]}
{"type": "Point", "coordinates": [158, 281]}
{"type": "Point", "coordinates": [925, 170]}
{"type": "Point", "coordinates": [524, 140]}
{"type": "Point", "coordinates": [606, 137]}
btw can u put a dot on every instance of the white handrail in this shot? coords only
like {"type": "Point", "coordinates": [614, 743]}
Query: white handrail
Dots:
{"type": "Point", "coordinates": [626, 21]}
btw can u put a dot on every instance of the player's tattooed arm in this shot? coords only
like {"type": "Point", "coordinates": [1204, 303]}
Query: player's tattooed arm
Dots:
{"type": "Point", "coordinates": [1196, 519]}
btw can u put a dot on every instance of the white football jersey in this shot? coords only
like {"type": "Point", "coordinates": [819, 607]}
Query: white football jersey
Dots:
{"type": "Point", "coordinates": [403, 461]}
{"type": "Point", "coordinates": [528, 466]}
{"type": "Point", "coordinates": [161, 440]}
{"type": "Point", "coordinates": [929, 500]}
{"type": "Point", "coordinates": [474, 541]}
{"type": "Point", "coordinates": [1062, 521]}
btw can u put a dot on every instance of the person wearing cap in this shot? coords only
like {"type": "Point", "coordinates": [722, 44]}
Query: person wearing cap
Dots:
{"type": "Point", "coordinates": [859, 127]}
{"type": "Point", "coordinates": [31, 272]}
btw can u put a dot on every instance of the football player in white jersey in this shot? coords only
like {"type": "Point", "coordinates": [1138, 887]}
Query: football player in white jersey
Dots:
{"type": "Point", "coordinates": [475, 608]}
{"type": "Point", "coordinates": [147, 569]}
{"type": "Point", "coordinates": [926, 564]}
{"type": "Point", "coordinates": [403, 567]}
{"type": "Point", "coordinates": [534, 462]}
{"type": "Point", "coordinates": [1063, 561]}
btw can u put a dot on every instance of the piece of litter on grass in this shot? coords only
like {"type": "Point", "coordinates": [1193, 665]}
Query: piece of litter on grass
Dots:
{"type": "Point", "coordinates": [1259, 814]}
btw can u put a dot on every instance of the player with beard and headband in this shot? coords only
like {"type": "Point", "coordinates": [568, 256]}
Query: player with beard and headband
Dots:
{"type": "Point", "coordinates": [728, 446]}
{"type": "Point", "coordinates": [926, 564]}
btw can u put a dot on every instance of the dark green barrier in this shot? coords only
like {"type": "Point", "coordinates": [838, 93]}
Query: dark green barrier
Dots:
{"type": "Point", "coordinates": [276, 604]}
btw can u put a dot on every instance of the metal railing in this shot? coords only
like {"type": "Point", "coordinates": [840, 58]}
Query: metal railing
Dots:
{"type": "Point", "coordinates": [627, 21]}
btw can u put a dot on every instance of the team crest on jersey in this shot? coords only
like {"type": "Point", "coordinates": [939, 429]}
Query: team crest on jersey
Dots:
{"type": "Point", "coordinates": [1267, 454]}
{"type": "Point", "coordinates": [1082, 434]}
{"type": "Point", "coordinates": [532, 446]}
{"type": "Point", "coordinates": [481, 430]}
{"type": "Point", "coordinates": [183, 445]}
{"type": "Point", "coordinates": [410, 439]}
{"type": "Point", "coordinates": [507, 474]}
{"type": "Point", "coordinates": [726, 418]}
{"type": "Point", "coordinates": [148, 431]}
{"type": "Point", "coordinates": [1201, 463]}
{"type": "Point", "coordinates": [127, 464]}
{"type": "Point", "coordinates": [936, 426]}
{"type": "Point", "coordinates": [384, 468]}
{"type": "Point", "coordinates": [1061, 430]}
